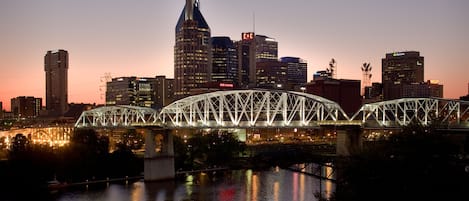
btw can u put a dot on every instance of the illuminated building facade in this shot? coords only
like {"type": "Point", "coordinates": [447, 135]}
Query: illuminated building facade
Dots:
{"type": "Point", "coordinates": [26, 106]}
{"type": "Point", "coordinates": [253, 49]}
{"type": "Point", "coordinates": [297, 71]}
{"type": "Point", "coordinates": [224, 61]}
{"type": "Point", "coordinates": [399, 69]}
{"type": "Point", "coordinates": [133, 91]}
{"type": "Point", "coordinates": [56, 68]}
{"type": "Point", "coordinates": [266, 48]}
{"type": "Point", "coordinates": [191, 51]}
{"type": "Point", "coordinates": [272, 75]}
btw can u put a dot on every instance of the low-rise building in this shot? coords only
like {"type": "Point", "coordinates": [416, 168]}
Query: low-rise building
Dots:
{"type": "Point", "coordinates": [26, 106]}
{"type": "Point", "coordinates": [344, 92]}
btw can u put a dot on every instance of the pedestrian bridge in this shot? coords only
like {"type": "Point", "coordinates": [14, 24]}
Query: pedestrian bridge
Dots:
{"type": "Point", "coordinates": [277, 109]}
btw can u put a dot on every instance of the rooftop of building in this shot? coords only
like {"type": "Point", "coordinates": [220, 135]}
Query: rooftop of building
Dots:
{"type": "Point", "coordinates": [222, 41]}
{"type": "Point", "coordinates": [192, 12]}
{"type": "Point", "coordinates": [405, 54]}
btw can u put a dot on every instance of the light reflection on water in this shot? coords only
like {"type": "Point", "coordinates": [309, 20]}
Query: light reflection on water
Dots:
{"type": "Point", "coordinates": [246, 185]}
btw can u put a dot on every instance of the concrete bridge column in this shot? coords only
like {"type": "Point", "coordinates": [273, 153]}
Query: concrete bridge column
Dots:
{"type": "Point", "coordinates": [159, 155]}
{"type": "Point", "coordinates": [349, 140]}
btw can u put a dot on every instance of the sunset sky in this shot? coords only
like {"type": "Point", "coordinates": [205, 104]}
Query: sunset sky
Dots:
{"type": "Point", "coordinates": [136, 38]}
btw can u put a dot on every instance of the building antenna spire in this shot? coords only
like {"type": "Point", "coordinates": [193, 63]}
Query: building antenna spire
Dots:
{"type": "Point", "coordinates": [254, 21]}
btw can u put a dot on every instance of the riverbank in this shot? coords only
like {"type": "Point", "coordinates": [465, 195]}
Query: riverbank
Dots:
{"type": "Point", "coordinates": [264, 156]}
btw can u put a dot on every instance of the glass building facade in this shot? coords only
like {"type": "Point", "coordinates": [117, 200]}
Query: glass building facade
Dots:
{"type": "Point", "coordinates": [224, 60]}
{"type": "Point", "coordinates": [132, 91]}
{"type": "Point", "coordinates": [297, 70]}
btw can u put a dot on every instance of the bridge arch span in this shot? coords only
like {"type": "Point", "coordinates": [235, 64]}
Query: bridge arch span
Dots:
{"type": "Point", "coordinates": [251, 108]}
{"type": "Point", "coordinates": [400, 112]}
{"type": "Point", "coordinates": [118, 116]}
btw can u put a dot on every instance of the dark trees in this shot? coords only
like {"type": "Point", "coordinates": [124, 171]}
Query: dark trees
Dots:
{"type": "Point", "coordinates": [420, 163]}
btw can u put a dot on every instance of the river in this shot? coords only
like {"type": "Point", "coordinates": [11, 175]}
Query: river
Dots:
{"type": "Point", "coordinates": [275, 184]}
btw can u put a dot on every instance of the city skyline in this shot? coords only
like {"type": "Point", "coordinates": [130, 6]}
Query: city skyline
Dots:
{"type": "Point", "coordinates": [137, 38]}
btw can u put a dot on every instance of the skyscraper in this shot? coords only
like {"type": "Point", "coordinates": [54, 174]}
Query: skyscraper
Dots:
{"type": "Point", "coordinates": [246, 60]}
{"type": "Point", "coordinates": [56, 67]}
{"type": "Point", "coordinates": [399, 69]}
{"type": "Point", "coordinates": [224, 61]}
{"type": "Point", "coordinates": [191, 51]}
{"type": "Point", "coordinates": [251, 50]}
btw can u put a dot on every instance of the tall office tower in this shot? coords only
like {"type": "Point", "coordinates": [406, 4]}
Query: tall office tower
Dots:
{"type": "Point", "coordinates": [191, 51]}
{"type": "Point", "coordinates": [297, 71]}
{"type": "Point", "coordinates": [164, 91]}
{"type": "Point", "coordinates": [56, 67]}
{"type": "Point", "coordinates": [266, 48]}
{"type": "Point", "coordinates": [133, 91]}
{"type": "Point", "coordinates": [400, 69]}
{"type": "Point", "coordinates": [246, 60]}
{"type": "Point", "coordinates": [26, 106]}
{"type": "Point", "coordinates": [224, 61]}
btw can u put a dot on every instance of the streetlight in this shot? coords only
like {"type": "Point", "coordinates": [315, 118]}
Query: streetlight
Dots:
{"type": "Point", "coordinates": [303, 89]}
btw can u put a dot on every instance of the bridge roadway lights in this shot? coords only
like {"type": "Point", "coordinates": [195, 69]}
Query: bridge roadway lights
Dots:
{"type": "Point", "coordinates": [159, 154]}
{"type": "Point", "coordinates": [349, 140]}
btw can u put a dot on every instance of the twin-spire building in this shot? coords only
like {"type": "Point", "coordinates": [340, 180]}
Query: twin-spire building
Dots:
{"type": "Point", "coordinates": [191, 51]}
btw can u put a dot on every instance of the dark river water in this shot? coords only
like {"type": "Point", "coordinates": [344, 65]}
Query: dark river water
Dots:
{"type": "Point", "coordinates": [275, 184]}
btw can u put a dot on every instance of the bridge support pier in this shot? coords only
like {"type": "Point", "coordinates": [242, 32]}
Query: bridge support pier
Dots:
{"type": "Point", "coordinates": [159, 155]}
{"type": "Point", "coordinates": [349, 140]}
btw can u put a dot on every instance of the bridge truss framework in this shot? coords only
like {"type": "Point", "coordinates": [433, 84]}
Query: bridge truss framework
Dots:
{"type": "Point", "coordinates": [400, 112]}
{"type": "Point", "coordinates": [276, 109]}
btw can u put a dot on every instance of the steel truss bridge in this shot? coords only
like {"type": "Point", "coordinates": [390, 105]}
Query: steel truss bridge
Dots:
{"type": "Point", "coordinates": [277, 109]}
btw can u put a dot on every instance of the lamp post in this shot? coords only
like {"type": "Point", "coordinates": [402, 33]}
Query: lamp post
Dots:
{"type": "Point", "coordinates": [303, 89]}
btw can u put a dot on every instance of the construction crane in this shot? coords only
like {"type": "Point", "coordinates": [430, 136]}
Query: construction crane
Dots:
{"type": "Point", "coordinates": [102, 87]}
